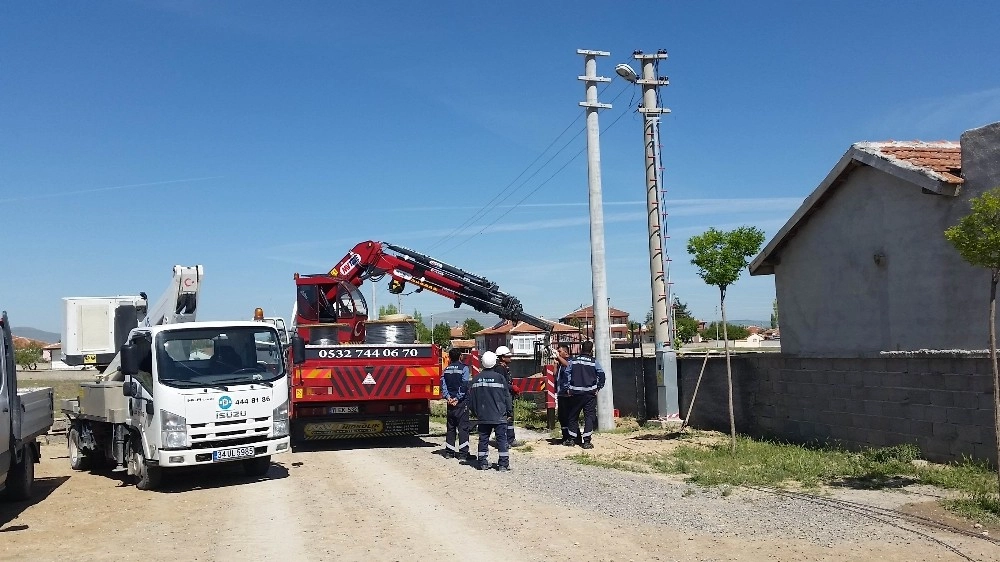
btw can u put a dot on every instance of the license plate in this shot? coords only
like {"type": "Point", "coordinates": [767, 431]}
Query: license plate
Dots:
{"type": "Point", "coordinates": [343, 409]}
{"type": "Point", "coordinates": [232, 454]}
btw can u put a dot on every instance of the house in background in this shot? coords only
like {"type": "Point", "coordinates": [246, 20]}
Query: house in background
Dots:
{"type": "Point", "coordinates": [51, 351]}
{"type": "Point", "coordinates": [584, 317]}
{"type": "Point", "coordinates": [863, 265]}
{"type": "Point", "coordinates": [521, 337]}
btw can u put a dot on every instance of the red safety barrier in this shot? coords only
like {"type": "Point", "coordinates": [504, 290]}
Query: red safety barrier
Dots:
{"type": "Point", "coordinates": [528, 384]}
{"type": "Point", "coordinates": [550, 386]}
{"type": "Point", "coordinates": [472, 360]}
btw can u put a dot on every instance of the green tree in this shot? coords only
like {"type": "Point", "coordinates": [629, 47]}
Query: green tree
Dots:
{"type": "Point", "coordinates": [470, 327]}
{"type": "Point", "coordinates": [977, 239]}
{"type": "Point", "coordinates": [721, 257]}
{"type": "Point", "coordinates": [774, 315]}
{"type": "Point", "coordinates": [423, 332]}
{"type": "Point", "coordinates": [735, 331]}
{"type": "Point", "coordinates": [387, 309]}
{"type": "Point", "coordinates": [442, 335]}
{"type": "Point", "coordinates": [27, 355]}
{"type": "Point", "coordinates": [686, 325]}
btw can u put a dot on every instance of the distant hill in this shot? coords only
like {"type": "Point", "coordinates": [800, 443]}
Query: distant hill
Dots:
{"type": "Point", "coordinates": [35, 334]}
{"type": "Point", "coordinates": [458, 316]}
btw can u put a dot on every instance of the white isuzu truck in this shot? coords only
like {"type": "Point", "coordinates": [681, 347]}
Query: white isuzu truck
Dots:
{"type": "Point", "coordinates": [187, 394]}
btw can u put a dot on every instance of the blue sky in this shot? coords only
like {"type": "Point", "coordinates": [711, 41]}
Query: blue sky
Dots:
{"type": "Point", "coordinates": [262, 139]}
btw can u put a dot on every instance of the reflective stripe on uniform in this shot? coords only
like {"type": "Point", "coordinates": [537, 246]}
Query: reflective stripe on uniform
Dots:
{"type": "Point", "coordinates": [488, 384]}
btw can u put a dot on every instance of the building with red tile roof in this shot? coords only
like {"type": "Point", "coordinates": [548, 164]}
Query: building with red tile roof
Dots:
{"type": "Point", "coordinates": [584, 316]}
{"type": "Point", "coordinates": [863, 265]}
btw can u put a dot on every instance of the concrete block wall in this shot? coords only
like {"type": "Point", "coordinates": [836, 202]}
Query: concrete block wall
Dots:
{"type": "Point", "coordinates": [941, 403]}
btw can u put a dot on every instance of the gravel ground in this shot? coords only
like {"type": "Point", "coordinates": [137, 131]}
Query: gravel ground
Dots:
{"type": "Point", "coordinates": [650, 498]}
{"type": "Point", "coordinates": [724, 512]}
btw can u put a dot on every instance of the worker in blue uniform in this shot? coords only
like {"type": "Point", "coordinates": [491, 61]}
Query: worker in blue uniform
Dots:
{"type": "Point", "coordinates": [454, 390]}
{"type": "Point", "coordinates": [489, 402]}
{"type": "Point", "coordinates": [583, 378]}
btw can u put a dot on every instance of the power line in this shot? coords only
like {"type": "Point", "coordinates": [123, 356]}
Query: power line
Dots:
{"type": "Point", "coordinates": [539, 186]}
{"type": "Point", "coordinates": [493, 202]}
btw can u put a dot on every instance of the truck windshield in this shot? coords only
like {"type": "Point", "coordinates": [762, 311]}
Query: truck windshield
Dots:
{"type": "Point", "coordinates": [207, 357]}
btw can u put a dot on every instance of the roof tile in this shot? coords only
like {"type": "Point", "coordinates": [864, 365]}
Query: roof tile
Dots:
{"type": "Point", "coordinates": [942, 159]}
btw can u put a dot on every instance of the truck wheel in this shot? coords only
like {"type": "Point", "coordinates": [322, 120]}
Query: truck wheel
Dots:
{"type": "Point", "coordinates": [257, 466]}
{"type": "Point", "coordinates": [21, 476]}
{"type": "Point", "coordinates": [77, 459]}
{"type": "Point", "coordinates": [146, 477]}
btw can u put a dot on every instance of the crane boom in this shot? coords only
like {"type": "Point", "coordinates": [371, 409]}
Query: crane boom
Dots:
{"type": "Point", "coordinates": [372, 260]}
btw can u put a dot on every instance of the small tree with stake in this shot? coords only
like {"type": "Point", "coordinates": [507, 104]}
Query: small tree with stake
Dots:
{"type": "Point", "coordinates": [977, 239]}
{"type": "Point", "coordinates": [721, 257]}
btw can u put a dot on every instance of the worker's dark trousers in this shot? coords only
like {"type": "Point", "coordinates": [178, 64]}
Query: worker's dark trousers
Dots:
{"type": "Point", "coordinates": [510, 424]}
{"type": "Point", "coordinates": [458, 422]}
{"type": "Point", "coordinates": [586, 403]}
{"type": "Point", "coordinates": [562, 410]}
{"type": "Point", "coordinates": [485, 429]}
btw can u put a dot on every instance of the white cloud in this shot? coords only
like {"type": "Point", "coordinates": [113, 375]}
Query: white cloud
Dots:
{"type": "Point", "coordinates": [99, 189]}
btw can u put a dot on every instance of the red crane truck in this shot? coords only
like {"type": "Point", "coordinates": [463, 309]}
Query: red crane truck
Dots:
{"type": "Point", "coordinates": [343, 387]}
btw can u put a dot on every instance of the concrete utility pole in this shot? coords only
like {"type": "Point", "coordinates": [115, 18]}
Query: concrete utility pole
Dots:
{"type": "Point", "coordinates": [659, 262]}
{"type": "Point", "coordinates": [602, 334]}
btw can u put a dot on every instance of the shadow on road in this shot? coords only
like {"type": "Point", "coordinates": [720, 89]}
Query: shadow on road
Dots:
{"type": "Point", "coordinates": [659, 436]}
{"type": "Point", "coordinates": [202, 477]}
{"type": "Point", "coordinates": [11, 510]}
{"type": "Point", "coordinates": [227, 475]}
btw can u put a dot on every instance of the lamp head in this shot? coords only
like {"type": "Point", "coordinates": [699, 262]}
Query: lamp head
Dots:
{"type": "Point", "coordinates": [626, 72]}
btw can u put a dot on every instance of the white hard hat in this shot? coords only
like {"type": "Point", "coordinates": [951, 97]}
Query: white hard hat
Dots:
{"type": "Point", "coordinates": [488, 360]}
{"type": "Point", "coordinates": [503, 350]}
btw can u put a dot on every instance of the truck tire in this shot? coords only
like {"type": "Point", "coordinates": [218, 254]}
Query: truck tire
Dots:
{"type": "Point", "coordinates": [146, 477]}
{"type": "Point", "coordinates": [21, 476]}
{"type": "Point", "coordinates": [78, 460]}
{"type": "Point", "coordinates": [257, 466]}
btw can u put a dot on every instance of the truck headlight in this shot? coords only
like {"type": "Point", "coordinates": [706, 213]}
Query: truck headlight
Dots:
{"type": "Point", "coordinates": [173, 430]}
{"type": "Point", "coordinates": [280, 414]}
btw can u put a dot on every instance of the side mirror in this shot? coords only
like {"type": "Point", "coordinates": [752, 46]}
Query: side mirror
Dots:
{"type": "Point", "coordinates": [298, 350]}
{"type": "Point", "coordinates": [130, 389]}
{"type": "Point", "coordinates": [130, 360]}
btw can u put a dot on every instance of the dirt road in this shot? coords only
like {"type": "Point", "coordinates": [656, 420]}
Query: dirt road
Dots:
{"type": "Point", "coordinates": [397, 500]}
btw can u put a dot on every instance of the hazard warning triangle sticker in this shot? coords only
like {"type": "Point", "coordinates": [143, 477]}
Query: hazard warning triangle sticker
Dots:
{"type": "Point", "coordinates": [369, 379]}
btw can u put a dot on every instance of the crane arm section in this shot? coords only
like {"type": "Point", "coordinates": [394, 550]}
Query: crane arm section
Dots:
{"type": "Point", "coordinates": [178, 303]}
{"type": "Point", "coordinates": [372, 260]}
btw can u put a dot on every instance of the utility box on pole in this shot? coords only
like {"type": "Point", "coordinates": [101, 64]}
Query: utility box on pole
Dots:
{"type": "Point", "coordinates": [602, 335]}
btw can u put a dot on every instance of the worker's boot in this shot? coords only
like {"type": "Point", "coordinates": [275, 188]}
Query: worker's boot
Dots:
{"type": "Point", "coordinates": [484, 463]}
{"type": "Point", "coordinates": [587, 444]}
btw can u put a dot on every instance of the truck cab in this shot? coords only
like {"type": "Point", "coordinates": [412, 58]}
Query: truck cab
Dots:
{"type": "Point", "coordinates": [189, 394]}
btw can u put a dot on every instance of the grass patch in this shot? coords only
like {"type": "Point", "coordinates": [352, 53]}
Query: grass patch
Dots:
{"type": "Point", "coordinates": [439, 411]}
{"type": "Point", "coordinates": [981, 507]}
{"type": "Point", "coordinates": [527, 413]}
{"type": "Point", "coordinates": [62, 389]}
{"type": "Point", "coordinates": [774, 464]}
